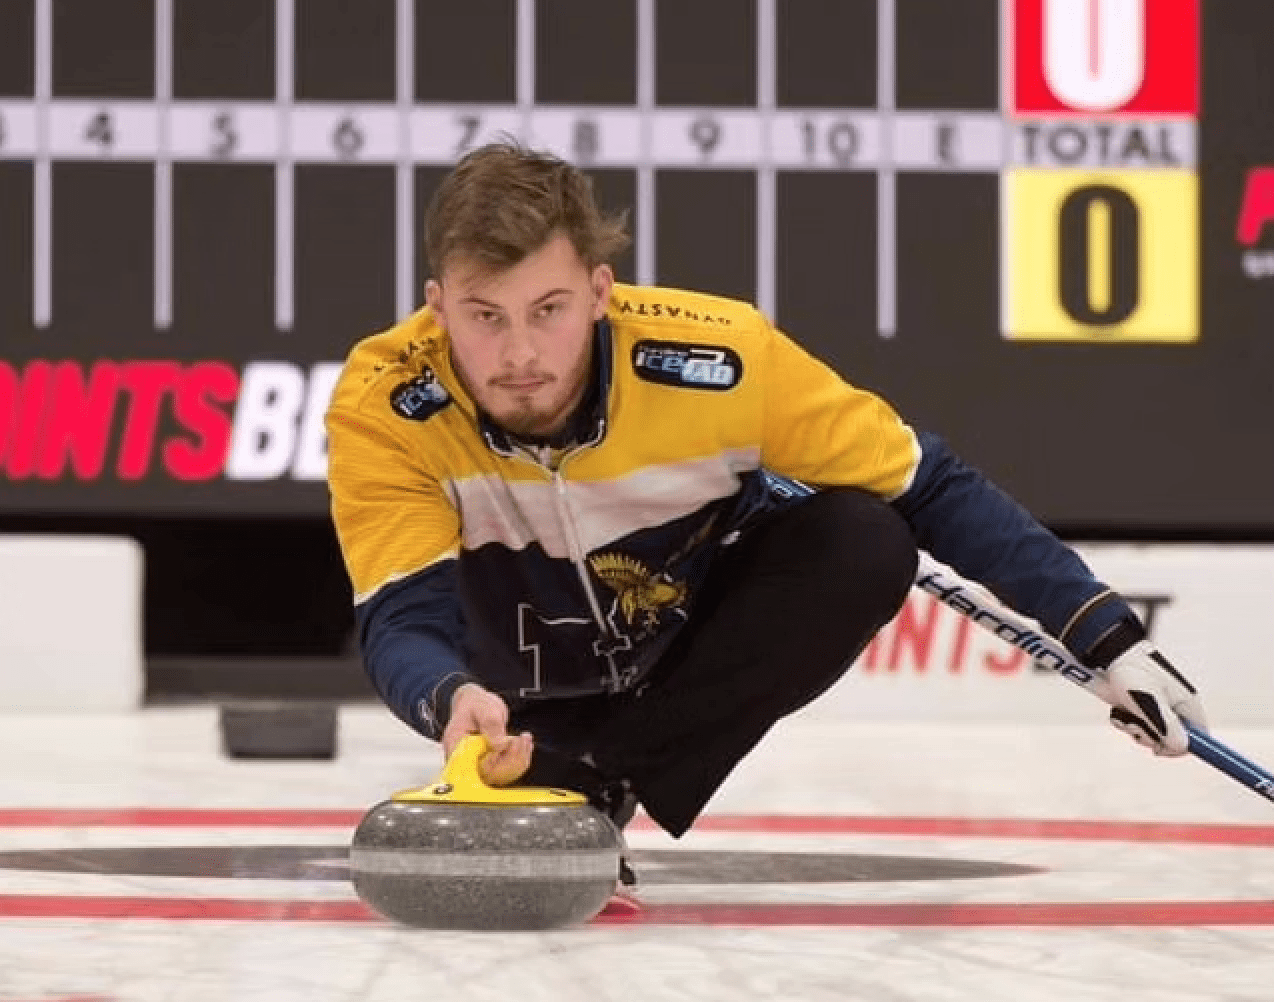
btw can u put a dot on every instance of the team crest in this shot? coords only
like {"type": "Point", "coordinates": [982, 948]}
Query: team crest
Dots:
{"type": "Point", "coordinates": [420, 398]}
{"type": "Point", "coordinates": [640, 592]}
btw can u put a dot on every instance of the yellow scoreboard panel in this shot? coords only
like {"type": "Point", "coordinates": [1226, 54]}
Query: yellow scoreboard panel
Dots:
{"type": "Point", "coordinates": [1101, 255]}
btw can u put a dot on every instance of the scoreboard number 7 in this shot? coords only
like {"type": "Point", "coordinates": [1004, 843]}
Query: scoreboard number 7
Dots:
{"type": "Point", "coordinates": [1109, 256]}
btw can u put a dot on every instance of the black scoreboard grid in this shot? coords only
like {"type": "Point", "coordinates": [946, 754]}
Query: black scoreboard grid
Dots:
{"type": "Point", "coordinates": [164, 128]}
{"type": "Point", "coordinates": [244, 180]}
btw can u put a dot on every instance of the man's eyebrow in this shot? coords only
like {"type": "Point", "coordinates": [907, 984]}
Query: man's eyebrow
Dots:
{"type": "Point", "coordinates": [550, 294]}
{"type": "Point", "coordinates": [479, 301]}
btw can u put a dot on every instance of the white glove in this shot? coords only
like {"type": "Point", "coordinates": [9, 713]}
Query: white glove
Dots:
{"type": "Point", "coordinates": [1151, 698]}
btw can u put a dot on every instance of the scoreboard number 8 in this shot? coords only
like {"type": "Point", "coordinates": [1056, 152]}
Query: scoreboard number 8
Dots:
{"type": "Point", "coordinates": [586, 139]}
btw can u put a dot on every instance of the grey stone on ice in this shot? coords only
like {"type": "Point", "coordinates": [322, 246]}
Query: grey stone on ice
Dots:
{"type": "Point", "coordinates": [485, 866]}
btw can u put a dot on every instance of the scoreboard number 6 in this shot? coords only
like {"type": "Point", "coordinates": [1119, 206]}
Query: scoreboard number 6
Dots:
{"type": "Point", "coordinates": [348, 138]}
{"type": "Point", "coordinates": [1099, 255]}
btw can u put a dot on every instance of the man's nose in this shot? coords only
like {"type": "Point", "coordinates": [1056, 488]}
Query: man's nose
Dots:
{"type": "Point", "coordinates": [519, 348]}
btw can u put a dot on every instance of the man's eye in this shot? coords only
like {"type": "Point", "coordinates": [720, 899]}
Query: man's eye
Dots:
{"type": "Point", "coordinates": [548, 309]}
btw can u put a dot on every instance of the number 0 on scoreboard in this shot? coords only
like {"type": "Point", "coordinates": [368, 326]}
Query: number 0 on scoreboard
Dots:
{"type": "Point", "coordinates": [1101, 256]}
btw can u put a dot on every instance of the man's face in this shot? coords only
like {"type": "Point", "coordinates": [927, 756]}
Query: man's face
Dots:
{"type": "Point", "coordinates": [521, 339]}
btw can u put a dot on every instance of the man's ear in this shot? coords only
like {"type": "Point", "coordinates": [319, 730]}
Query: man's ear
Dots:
{"type": "Point", "coordinates": [433, 299]}
{"type": "Point", "coordinates": [603, 281]}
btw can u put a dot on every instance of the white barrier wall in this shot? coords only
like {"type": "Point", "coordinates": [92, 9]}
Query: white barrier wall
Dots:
{"type": "Point", "coordinates": [70, 624]}
{"type": "Point", "coordinates": [1210, 608]}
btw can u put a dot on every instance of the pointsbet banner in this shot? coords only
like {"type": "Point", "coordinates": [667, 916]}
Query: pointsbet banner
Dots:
{"type": "Point", "coordinates": [1042, 228]}
{"type": "Point", "coordinates": [106, 425]}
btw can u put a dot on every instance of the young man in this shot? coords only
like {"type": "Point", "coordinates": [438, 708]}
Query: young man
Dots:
{"type": "Point", "coordinates": [560, 501]}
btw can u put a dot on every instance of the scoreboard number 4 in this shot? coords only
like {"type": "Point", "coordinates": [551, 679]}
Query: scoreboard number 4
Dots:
{"type": "Point", "coordinates": [100, 131]}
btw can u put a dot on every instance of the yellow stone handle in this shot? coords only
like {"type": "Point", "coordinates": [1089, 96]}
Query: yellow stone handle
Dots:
{"type": "Point", "coordinates": [461, 770]}
{"type": "Point", "coordinates": [461, 783]}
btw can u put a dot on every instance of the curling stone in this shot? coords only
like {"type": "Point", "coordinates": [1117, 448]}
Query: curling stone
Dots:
{"type": "Point", "coordinates": [459, 854]}
{"type": "Point", "coordinates": [278, 729]}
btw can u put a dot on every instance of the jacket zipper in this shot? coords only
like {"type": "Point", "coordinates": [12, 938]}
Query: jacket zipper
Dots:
{"type": "Point", "coordinates": [575, 548]}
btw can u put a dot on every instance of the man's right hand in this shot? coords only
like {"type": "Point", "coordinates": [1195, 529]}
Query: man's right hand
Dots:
{"type": "Point", "coordinates": [474, 710]}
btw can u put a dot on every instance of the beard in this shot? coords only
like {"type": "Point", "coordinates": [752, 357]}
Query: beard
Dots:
{"type": "Point", "coordinates": [525, 420]}
{"type": "Point", "coordinates": [540, 413]}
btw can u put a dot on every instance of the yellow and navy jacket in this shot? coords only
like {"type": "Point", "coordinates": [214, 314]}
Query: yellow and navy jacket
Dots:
{"type": "Point", "coordinates": [543, 573]}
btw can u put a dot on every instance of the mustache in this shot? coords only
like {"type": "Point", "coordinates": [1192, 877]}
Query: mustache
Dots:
{"type": "Point", "coordinates": [507, 378]}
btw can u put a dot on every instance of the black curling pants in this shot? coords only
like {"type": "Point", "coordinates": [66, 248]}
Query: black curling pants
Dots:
{"type": "Point", "coordinates": [783, 613]}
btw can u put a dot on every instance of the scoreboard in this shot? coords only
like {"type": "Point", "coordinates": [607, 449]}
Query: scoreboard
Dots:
{"type": "Point", "coordinates": [1038, 227]}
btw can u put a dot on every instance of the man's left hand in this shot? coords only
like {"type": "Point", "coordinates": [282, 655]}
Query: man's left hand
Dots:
{"type": "Point", "coordinates": [1151, 699]}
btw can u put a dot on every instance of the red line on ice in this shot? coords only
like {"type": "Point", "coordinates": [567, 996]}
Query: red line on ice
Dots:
{"type": "Point", "coordinates": [1113, 913]}
{"type": "Point", "coordinates": [1189, 833]}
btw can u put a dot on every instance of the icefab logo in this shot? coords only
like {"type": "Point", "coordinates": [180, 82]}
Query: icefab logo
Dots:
{"type": "Point", "coordinates": [706, 367]}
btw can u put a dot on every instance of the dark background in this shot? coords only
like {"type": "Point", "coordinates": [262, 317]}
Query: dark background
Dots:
{"type": "Point", "coordinates": [1120, 441]}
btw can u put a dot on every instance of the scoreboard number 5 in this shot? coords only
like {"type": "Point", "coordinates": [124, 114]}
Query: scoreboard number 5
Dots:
{"type": "Point", "coordinates": [1109, 256]}
{"type": "Point", "coordinates": [225, 136]}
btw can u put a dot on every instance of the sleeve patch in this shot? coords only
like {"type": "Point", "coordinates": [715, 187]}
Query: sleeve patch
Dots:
{"type": "Point", "coordinates": [420, 398]}
{"type": "Point", "coordinates": [690, 366]}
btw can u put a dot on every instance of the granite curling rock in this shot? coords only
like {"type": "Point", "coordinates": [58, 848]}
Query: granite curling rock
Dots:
{"type": "Point", "coordinates": [459, 854]}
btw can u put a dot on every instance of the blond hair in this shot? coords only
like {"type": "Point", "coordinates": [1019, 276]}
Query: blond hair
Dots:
{"type": "Point", "coordinates": [504, 201]}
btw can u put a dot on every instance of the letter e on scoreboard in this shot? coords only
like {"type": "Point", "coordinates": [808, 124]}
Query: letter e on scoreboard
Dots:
{"type": "Point", "coordinates": [1105, 57]}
